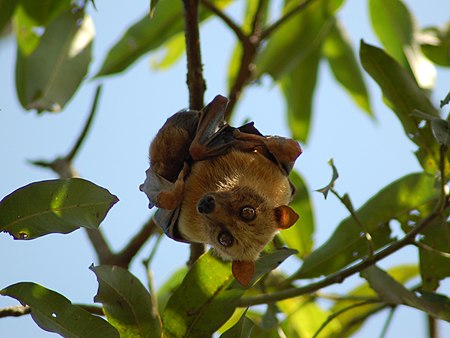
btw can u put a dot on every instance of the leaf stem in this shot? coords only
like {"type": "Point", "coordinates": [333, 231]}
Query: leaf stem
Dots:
{"type": "Point", "coordinates": [387, 322]}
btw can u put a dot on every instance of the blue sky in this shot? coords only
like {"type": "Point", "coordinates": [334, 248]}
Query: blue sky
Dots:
{"type": "Point", "coordinates": [133, 106]}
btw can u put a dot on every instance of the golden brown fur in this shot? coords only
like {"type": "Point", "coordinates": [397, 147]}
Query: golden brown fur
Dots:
{"type": "Point", "coordinates": [235, 180]}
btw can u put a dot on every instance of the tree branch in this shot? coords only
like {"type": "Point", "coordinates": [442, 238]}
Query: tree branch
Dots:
{"type": "Point", "coordinates": [195, 80]}
{"type": "Point", "coordinates": [341, 275]}
{"type": "Point", "coordinates": [20, 310]}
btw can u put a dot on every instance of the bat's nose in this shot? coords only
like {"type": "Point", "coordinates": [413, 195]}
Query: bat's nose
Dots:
{"type": "Point", "coordinates": [206, 204]}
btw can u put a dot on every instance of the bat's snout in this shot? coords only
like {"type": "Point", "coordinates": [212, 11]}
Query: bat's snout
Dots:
{"type": "Point", "coordinates": [206, 204]}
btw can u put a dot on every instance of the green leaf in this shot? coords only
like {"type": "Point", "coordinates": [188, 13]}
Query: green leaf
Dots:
{"type": "Point", "coordinates": [55, 206]}
{"type": "Point", "coordinates": [352, 319]}
{"type": "Point", "coordinates": [300, 236]}
{"type": "Point", "coordinates": [338, 51]}
{"type": "Point", "coordinates": [44, 11]}
{"type": "Point", "coordinates": [434, 266]}
{"type": "Point", "coordinates": [174, 49]}
{"type": "Point", "coordinates": [153, 4]}
{"type": "Point", "coordinates": [395, 293]}
{"type": "Point", "coordinates": [296, 38]}
{"type": "Point", "coordinates": [403, 96]}
{"type": "Point", "coordinates": [203, 302]}
{"type": "Point", "coordinates": [126, 303]}
{"type": "Point", "coordinates": [169, 287]}
{"type": "Point", "coordinates": [26, 30]}
{"type": "Point", "coordinates": [55, 313]}
{"type": "Point", "coordinates": [439, 127]}
{"type": "Point", "coordinates": [48, 77]}
{"type": "Point", "coordinates": [242, 329]}
{"type": "Point", "coordinates": [148, 34]}
{"type": "Point", "coordinates": [347, 243]}
{"type": "Point", "coordinates": [435, 44]}
{"type": "Point", "coordinates": [8, 7]}
{"type": "Point", "coordinates": [298, 87]}
{"type": "Point", "coordinates": [395, 27]}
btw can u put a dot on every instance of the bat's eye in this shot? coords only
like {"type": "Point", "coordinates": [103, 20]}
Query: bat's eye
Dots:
{"type": "Point", "coordinates": [247, 213]}
{"type": "Point", "coordinates": [225, 239]}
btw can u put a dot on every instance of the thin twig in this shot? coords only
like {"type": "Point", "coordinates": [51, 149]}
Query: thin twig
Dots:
{"type": "Point", "coordinates": [433, 331]}
{"type": "Point", "coordinates": [422, 245]}
{"type": "Point", "coordinates": [341, 275]}
{"type": "Point", "coordinates": [273, 27]}
{"type": "Point", "coordinates": [387, 322]}
{"type": "Point", "coordinates": [70, 156]}
{"type": "Point", "coordinates": [21, 310]}
{"type": "Point", "coordinates": [226, 19]}
{"type": "Point", "coordinates": [258, 19]}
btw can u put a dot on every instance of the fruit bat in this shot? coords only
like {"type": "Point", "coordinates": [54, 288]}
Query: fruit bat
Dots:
{"type": "Point", "coordinates": [219, 185]}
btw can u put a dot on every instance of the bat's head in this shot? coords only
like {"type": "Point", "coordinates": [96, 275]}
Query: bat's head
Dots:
{"type": "Point", "coordinates": [236, 203]}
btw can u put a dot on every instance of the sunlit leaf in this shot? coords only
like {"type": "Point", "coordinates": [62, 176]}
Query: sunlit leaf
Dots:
{"type": "Point", "coordinates": [48, 77]}
{"type": "Point", "coordinates": [395, 293]}
{"type": "Point", "coordinates": [55, 206]}
{"type": "Point", "coordinates": [55, 313]}
{"type": "Point", "coordinates": [298, 87]}
{"type": "Point", "coordinates": [435, 44]}
{"type": "Point", "coordinates": [173, 50]}
{"type": "Point", "coordinates": [348, 244]}
{"type": "Point", "coordinates": [338, 50]}
{"type": "Point", "coordinates": [300, 236]}
{"type": "Point", "coordinates": [126, 302]}
{"type": "Point", "coordinates": [149, 34]}
{"type": "Point", "coordinates": [295, 39]}
{"type": "Point", "coordinates": [203, 302]}
{"type": "Point", "coordinates": [395, 27]}
{"type": "Point", "coordinates": [166, 290]}
{"type": "Point", "coordinates": [403, 96]}
{"type": "Point", "coordinates": [242, 329]}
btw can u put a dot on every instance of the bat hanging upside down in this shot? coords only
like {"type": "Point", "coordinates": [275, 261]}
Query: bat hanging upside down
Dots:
{"type": "Point", "coordinates": [223, 186]}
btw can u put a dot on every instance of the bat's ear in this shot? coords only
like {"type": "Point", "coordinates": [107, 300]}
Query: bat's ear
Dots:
{"type": "Point", "coordinates": [243, 271]}
{"type": "Point", "coordinates": [285, 216]}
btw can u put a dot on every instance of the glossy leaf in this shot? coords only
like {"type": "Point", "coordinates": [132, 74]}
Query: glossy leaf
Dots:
{"type": "Point", "coordinates": [395, 27]}
{"type": "Point", "coordinates": [48, 77]}
{"type": "Point", "coordinates": [8, 7]}
{"type": "Point", "coordinates": [403, 96]}
{"type": "Point", "coordinates": [347, 243]}
{"type": "Point", "coordinates": [300, 236]}
{"type": "Point", "coordinates": [298, 87]}
{"type": "Point", "coordinates": [395, 293]}
{"type": "Point", "coordinates": [242, 329]}
{"type": "Point", "coordinates": [338, 50]}
{"type": "Point", "coordinates": [351, 320]}
{"type": "Point", "coordinates": [55, 313]}
{"type": "Point", "coordinates": [148, 34]}
{"type": "Point", "coordinates": [296, 38]}
{"type": "Point", "coordinates": [126, 303]}
{"type": "Point", "coordinates": [435, 44]}
{"type": "Point", "coordinates": [55, 206]}
{"type": "Point", "coordinates": [203, 302]}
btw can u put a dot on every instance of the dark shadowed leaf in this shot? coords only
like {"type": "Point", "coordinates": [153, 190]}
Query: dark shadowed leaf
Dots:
{"type": "Point", "coordinates": [300, 236]}
{"type": "Point", "coordinates": [126, 303]}
{"type": "Point", "coordinates": [149, 34]}
{"type": "Point", "coordinates": [338, 50]}
{"type": "Point", "coordinates": [435, 44]}
{"type": "Point", "coordinates": [295, 39]}
{"type": "Point", "coordinates": [48, 77]}
{"type": "Point", "coordinates": [347, 243]}
{"type": "Point", "coordinates": [153, 4]}
{"type": "Point", "coordinates": [298, 87]}
{"type": "Point", "coordinates": [395, 293]}
{"type": "Point", "coordinates": [168, 288]}
{"type": "Point", "coordinates": [55, 313]}
{"type": "Point", "coordinates": [8, 7]}
{"type": "Point", "coordinates": [396, 28]}
{"type": "Point", "coordinates": [55, 206]}
{"type": "Point", "coordinates": [44, 11]}
{"type": "Point", "coordinates": [439, 127]}
{"type": "Point", "coordinates": [242, 329]}
{"type": "Point", "coordinates": [434, 259]}
{"type": "Point", "coordinates": [403, 96]}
